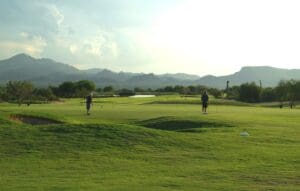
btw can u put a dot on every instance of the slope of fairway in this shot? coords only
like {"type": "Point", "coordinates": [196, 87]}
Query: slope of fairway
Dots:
{"type": "Point", "coordinates": [129, 144]}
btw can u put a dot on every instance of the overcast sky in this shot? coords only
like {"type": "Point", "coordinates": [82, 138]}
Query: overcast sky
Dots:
{"type": "Point", "coordinates": [160, 36]}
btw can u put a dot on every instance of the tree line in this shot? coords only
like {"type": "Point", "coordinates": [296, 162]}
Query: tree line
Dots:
{"type": "Point", "coordinates": [250, 92]}
{"type": "Point", "coordinates": [25, 92]}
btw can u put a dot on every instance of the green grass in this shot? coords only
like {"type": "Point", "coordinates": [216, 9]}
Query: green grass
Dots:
{"type": "Point", "coordinates": [150, 144]}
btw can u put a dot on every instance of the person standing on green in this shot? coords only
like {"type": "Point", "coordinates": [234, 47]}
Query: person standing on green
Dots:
{"type": "Point", "coordinates": [204, 100]}
{"type": "Point", "coordinates": [89, 101]}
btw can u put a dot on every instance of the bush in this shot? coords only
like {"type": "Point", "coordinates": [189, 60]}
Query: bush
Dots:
{"type": "Point", "coordinates": [215, 92]}
{"type": "Point", "coordinates": [108, 89]}
{"type": "Point", "coordinates": [250, 92]}
{"type": "Point", "coordinates": [44, 94]}
{"type": "Point", "coordinates": [233, 93]}
{"type": "Point", "coordinates": [126, 93]}
{"type": "Point", "coordinates": [19, 91]}
{"type": "Point", "coordinates": [74, 89]}
{"type": "Point", "coordinates": [268, 95]}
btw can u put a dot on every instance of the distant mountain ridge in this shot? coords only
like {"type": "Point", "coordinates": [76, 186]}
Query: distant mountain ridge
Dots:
{"type": "Point", "coordinates": [44, 71]}
{"type": "Point", "coordinates": [269, 76]}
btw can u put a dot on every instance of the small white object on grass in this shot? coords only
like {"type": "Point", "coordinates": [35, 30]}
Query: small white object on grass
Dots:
{"type": "Point", "coordinates": [244, 134]}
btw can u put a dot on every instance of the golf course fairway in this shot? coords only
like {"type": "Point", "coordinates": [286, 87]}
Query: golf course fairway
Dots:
{"type": "Point", "coordinates": [150, 143]}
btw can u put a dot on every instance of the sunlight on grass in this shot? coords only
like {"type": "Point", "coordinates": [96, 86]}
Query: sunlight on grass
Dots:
{"type": "Point", "coordinates": [129, 144]}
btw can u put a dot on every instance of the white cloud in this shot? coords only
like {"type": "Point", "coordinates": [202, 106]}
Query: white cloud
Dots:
{"type": "Point", "coordinates": [93, 46]}
{"type": "Point", "coordinates": [73, 49]}
{"type": "Point", "coordinates": [114, 50]}
{"type": "Point", "coordinates": [102, 44]}
{"type": "Point", "coordinates": [99, 47]}
{"type": "Point", "coordinates": [57, 14]}
{"type": "Point", "coordinates": [33, 45]}
{"type": "Point", "coordinates": [192, 36]}
{"type": "Point", "coordinates": [24, 34]}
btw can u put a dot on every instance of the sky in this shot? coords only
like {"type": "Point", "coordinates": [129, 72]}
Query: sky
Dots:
{"type": "Point", "coordinates": [159, 36]}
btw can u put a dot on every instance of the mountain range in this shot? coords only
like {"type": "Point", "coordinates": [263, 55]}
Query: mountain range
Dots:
{"type": "Point", "coordinates": [44, 71]}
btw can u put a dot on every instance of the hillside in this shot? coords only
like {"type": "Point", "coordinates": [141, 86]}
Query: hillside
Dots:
{"type": "Point", "coordinates": [23, 66]}
{"type": "Point", "coordinates": [269, 76]}
{"type": "Point", "coordinates": [44, 72]}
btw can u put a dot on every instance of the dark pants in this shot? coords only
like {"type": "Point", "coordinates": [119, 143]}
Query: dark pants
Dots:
{"type": "Point", "coordinates": [204, 106]}
{"type": "Point", "coordinates": [88, 106]}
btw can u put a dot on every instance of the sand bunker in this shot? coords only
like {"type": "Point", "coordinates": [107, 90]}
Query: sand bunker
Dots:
{"type": "Point", "coordinates": [32, 120]}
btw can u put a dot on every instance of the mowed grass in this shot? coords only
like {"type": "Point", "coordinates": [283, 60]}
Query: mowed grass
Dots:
{"type": "Point", "coordinates": [162, 143]}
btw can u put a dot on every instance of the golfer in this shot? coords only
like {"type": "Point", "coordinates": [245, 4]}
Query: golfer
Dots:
{"type": "Point", "coordinates": [204, 100]}
{"type": "Point", "coordinates": [89, 101]}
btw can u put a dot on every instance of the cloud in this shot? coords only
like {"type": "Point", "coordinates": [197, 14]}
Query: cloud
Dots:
{"type": "Point", "coordinates": [89, 50]}
{"type": "Point", "coordinates": [73, 48]}
{"type": "Point", "coordinates": [24, 34]}
{"type": "Point", "coordinates": [57, 14]}
{"type": "Point", "coordinates": [75, 33]}
{"type": "Point", "coordinates": [33, 45]}
{"type": "Point", "coordinates": [191, 36]}
{"type": "Point", "coordinates": [93, 46]}
{"type": "Point", "coordinates": [102, 44]}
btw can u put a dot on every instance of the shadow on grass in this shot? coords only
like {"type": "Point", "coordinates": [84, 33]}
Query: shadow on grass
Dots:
{"type": "Point", "coordinates": [198, 102]}
{"type": "Point", "coordinates": [180, 125]}
{"type": "Point", "coordinates": [34, 120]}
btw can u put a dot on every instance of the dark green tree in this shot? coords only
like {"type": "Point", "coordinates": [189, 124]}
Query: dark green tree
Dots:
{"type": "Point", "coordinates": [67, 89]}
{"type": "Point", "coordinates": [44, 94]}
{"type": "Point", "coordinates": [268, 95]}
{"type": "Point", "coordinates": [168, 89]}
{"type": "Point", "coordinates": [137, 89]}
{"type": "Point", "coordinates": [250, 92]}
{"type": "Point", "coordinates": [179, 89]}
{"type": "Point", "coordinates": [282, 90]}
{"type": "Point", "coordinates": [84, 87]}
{"type": "Point", "coordinates": [215, 92]}
{"type": "Point", "coordinates": [3, 94]}
{"type": "Point", "coordinates": [125, 92]}
{"type": "Point", "coordinates": [19, 91]}
{"type": "Point", "coordinates": [233, 92]}
{"type": "Point", "coordinates": [108, 89]}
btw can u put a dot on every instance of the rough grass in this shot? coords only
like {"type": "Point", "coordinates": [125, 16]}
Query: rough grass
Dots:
{"type": "Point", "coordinates": [113, 150]}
